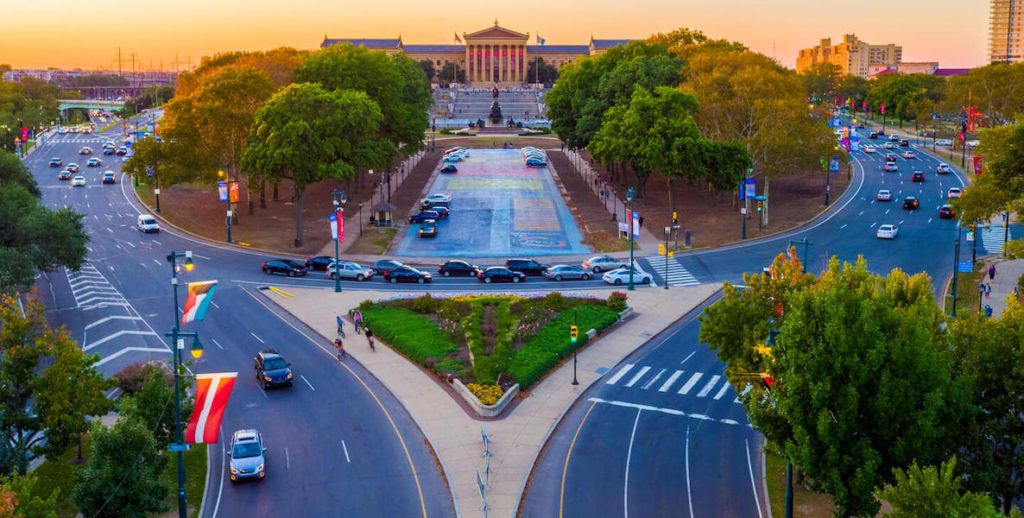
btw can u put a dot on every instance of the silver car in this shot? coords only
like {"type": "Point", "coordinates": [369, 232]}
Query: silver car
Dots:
{"type": "Point", "coordinates": [246, 459]}
{"type": "Point", "coordinates": [350, 270]}
{"type": "Point", "coordinates": [603, 263]}
{"type": "Point", "coordinates": [566, 271]}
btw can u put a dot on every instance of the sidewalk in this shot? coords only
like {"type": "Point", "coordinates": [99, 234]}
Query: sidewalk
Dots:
{"type": "Point", "coordinates": [1007, 273]}
{"type": "Point", "coordinates": [517, 437]}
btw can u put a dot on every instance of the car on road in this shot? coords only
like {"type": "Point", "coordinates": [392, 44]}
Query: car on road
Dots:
{"type": "Point", "coordinates": [449, 168]}
{"type": "Point", "coordinates": [456, 149]}
{"type": "Point", "coordinates": [108, 177]}
{"type": "Point", "coordinates": [428, 228]}
{"type": "Point", "coordinates": [884, 195]}
{"type": "Point", "coordinates": [527, 266]}
{"type": "Point", "coordinates": [566, 272]}
{"type": "Point", "coordinates": [436, 198]}
{"type": "Point", "coordinates": [954, 192]}
{"type": "Point", "coordinates": [500, 274]}
{"type": "Point", "coordinates": [600, 263]}
{"type": "Point", "coordinates": [873, 135]}
{"type": "Point", "coordinates": [620, 276]}
{"type": "Point", "coordinates": [890, 167]}
{"type": "Point", "coordinates": [910, 203]}
{"type": "Point", "coordinates": [537, 161]}
{"type": "Point", "coordinates": [909, 155]}
{"type": "Point", "coordinates": [887, 231]}
{"type": "Point", "coordinates": [122, 151]}
{"type": "Point", "coordinates": [437, 206]}
{"type": "Point", "coordinates": [271, 369]}
{"type": "Point", "coordinates": [890, 157]}
{"type": "Point", "coordinates": [868, 149]}
{"type": "Point", "coordinates": [942, 169]}
{"type": "Point", "coordinates": [947, 212]}
{"type": "Point", "coordinates": [287, 267]}
{"type": "Point", "coordinates": [108, 150]}
{"type": "Point", "coordinates": [860, 125]}
{"type": "Point", "coordinates": [246, 457]}
{"type": "Point", "coordinates": [904, 143]}
{"type": "Point", "coordinates": [64, 175]}
{"type": "Point", "coordinates": [918, 176]}
{"type": "Point", "coordinates": [406, 274]}
{"type": "Point", "coordinates": [889, 145]}
{"type": "Point", "coordinates": [458, 268]}
{"type": "Point", "coordinates": [319, 263]}
{"type": "Point", "coordinates": [441, 210]}
{"type": "Point", "coordinates": [894, 138]}
{"type": "Point", "coordinates": [424, 215]}
{"type": "Point", "coordinates": [384, 266]}
{"type": "Point", "coordinates": [78, 181]}
{"type": "Point", "coordinates": [944, 142]}
{"type": "Point", "coordinates": [146, 224]}
{"type": "Point", "coordinates": [350, 270]}
{"type": "Point", "coordinates": [73, 167]}
{"type": "Point", "coordinates": [94, 162]}
{"type": "Point", "coordinates": [56, 162]}
{"type": "Point", "coordinates": [85, 151]}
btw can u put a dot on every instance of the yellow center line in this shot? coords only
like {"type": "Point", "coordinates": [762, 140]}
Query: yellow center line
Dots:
{"type": "Point", "coordinates": [412, 467]}
{"type": "Point", "coordinates": [565, 468]}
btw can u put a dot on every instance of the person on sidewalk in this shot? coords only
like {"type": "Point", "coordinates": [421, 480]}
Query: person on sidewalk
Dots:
{"type": "Point", "coordinates": [992, 272]}
{"type": "Point", "coordinates": [369, 338]}
{"type": "Point", "coordinates": [988, 291]}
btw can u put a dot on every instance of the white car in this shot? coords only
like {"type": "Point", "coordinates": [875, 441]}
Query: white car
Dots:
{"type": "Point", "coordinates": [884, 195]}
{"type": "Point", "coordinates": [146, 224]}
{"type": "Point", "coordinates": [887, 232]}
{"type": "Point", "coordinates": [944, 142]}
{"type": "Point", "coordinates": [888, 145]}
{"type": "Point", "coordinates": [436, 198]}
{"type": "Point", "coordinates": [869, 149]}
{"type": "Point", "coordinates": [350, 270]}
{"type": "Point", "coordinates": [620, 276]}
{"type": "Point", "coordinates": [954, 192]}
{"type": "Point", "coordinates": [456, 149]}
{"type": "Point", "coordinates": [943, 169]}
{"type": "Point", "coordinates": [78, 181]}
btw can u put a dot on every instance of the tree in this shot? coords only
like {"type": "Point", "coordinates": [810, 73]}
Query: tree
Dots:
{"type": "Point", "coordinates": [35, 238]}
{"type": "Point", "coordinates": [853, 87]}
{"type": "Point", "coordinates": [13, 170]}
{"type": "Point", "coordinates": [997, 90]}
{"type": "Point", "coordinates": [153, 404]}
{"type": "Point", "coordinates": [18, 492]}
{"type": "Point", "coordinates": [451, 72]}
{"type": "Point", "coordinates": [933, 491]}
{"type": "Point", "coordinates": [48, 387]}
{"type": "Point", "coordinates": [279, 64]}
{"type": "Point", "coordinates": [1002, 186]}
{"type": "Point", "coordinates": [822, 81]}
{"type": "Point", "coordinates": [307, 134]}
{"type": "Point", "coordinates": [539, 71]}
{"type": "Point", "coordinates": [122, 478]}
{"type": "Point", "coordinates": [428, 68]}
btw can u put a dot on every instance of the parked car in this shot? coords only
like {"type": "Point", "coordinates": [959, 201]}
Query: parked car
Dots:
{"type": "Point", "coordinates": [884, 195]}
{"type": "Point", "coordinates": [385, 265]}
{"type": "Point", "coordinates": [458, 269]}
{"type": "Point", "coordinates": [600, 263]}
{"type": "Point", "coordinates": [146, 224]}
{"type": "Point", "coordinates": [943, 169]}
{"type": "Point", "coordinates": [108, 177]}
{"type": "Point", "coordinates": [944, 142]}
{"type": "Point", "coordinates": [887, 231]}
{"type": "Point", "coordinates": [64, 175]}
{"type": "Point", "coordinates": [910, 203]}
{"type": "Point", "coordinates": [428, 228]}
{"type": "Point", "coordinates": [424, 215]}
{"type": "Point", "coordinates": [288, 267]}
{"type": "Point", "coordinates": [272, 369]}
{"type": "Point", "coordinates": [449, 168]}
{"type": "Point", "coordinates": [436, 197]}
{"type": "Point", "coordinates": [56, 162]}
{"type": "Point", "coordinates": [436, 205]}
{"type": "Point", "coordinates": [954, 192]}
{"type": "Point", "coordinates": [500, 274]}
{"type": "Point", "coordinates": [620, 276]}
{"type": "Point", "coordinates": [350, 270]}
{"type": "Point", "coordinates": [918, 176]}
{"type": "Point", "coordinates": [890, 167]}
{"type": "Point", "coordinates": [947, 212]}
{"type": "Point", "coordinates": [441, 210]}
{"type": "Point", "coordinates": [94, 162]}
{"type": "Point", "coordinates": [246, 456]}
{"type": "Point", "coordinates": [406, 274]}
{"type": "Point", "coordinates": [85, 151]}
{"type": "Point", "coordinates": [319, 263]}
{"type": "Point", "coordinates": [527, 266]}
{"type": "Point", "coordinates": [566, 272]}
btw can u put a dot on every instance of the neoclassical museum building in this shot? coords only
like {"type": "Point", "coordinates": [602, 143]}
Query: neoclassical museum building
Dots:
{"type": "Point", "coordinates": [494, 56]}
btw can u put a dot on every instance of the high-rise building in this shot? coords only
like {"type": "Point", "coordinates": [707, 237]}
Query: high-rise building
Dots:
{"type": "Point", "coordinates": [1006, 25]}
{"type": "Point", "coordinates": [852, 56]}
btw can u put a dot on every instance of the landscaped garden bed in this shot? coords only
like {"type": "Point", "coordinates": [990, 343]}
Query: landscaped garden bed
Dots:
{"type": "Point", "coordinates": [489, 343]}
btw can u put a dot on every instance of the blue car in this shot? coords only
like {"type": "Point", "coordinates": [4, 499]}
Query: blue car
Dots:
{"type": "Point", "coordinates": [423, 216]}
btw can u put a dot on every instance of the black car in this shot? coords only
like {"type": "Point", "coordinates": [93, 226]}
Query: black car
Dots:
{"type": "Point", "coordinates": [319, 263]}
{"type": "Point", "coordinates": [918, 177]}
{"type": "Point", "coordinates": [526, 266]}
{"type": "Point", "coordinates": [284, 267]}
{"type": "Point", "coordinates": [428, 228]}
{"type": "Point", "coordinates": [442, 211]}
{"type": "Point", "coordinates": [904, 143]}
{"type": "Point", "coordinates": [500, 274]}
{"type": "Point", "coordinates": [272, 369]}
{"type": "Point", "coordinates": [873, 135]}
{"type": "Point", "coordinates": [458, 269]}
{"type": "Point", "coordinates": [385, 265]}
{"type": "Point", "coordinates": [910, 203]}
{"type": "Point", "coordinates": [406, 274]}
{"type": "Point", "coordinates": [423, 216]}
{"type": "Point", "coordinates": [433, 205]}
{"type": "Point", "coordinates": [449, 168]}
{"type": "Point", "coordinates": [947, 212]}
{"type": "Point", "coordinates": [108, 151]}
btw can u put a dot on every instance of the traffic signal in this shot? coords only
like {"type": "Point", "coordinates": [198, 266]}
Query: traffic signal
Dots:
{"type": "Point", "coordinates": [574, 333]}
{"type": "Point", "coordinates": [759, 206]}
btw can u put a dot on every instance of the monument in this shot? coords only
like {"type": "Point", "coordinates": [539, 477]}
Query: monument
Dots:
{"type": "Point", "coordinates": [495, 115]}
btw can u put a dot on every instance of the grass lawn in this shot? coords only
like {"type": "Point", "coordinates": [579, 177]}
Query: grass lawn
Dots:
{"type": "Point", "coordinates": [805, 503]}
{"type": "Point", "coordinates": [374, 241]}
{"type": "Point", "coordinates": [967, 290]}
{"type": "Point", "coordinates": [606, 242]}
{"type": "Point", "coordinates": [195, 480]}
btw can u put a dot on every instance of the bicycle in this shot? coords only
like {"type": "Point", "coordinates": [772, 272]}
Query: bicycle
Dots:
{"type": "Point", "coordinates": [341, 327]}
{"type": "Point", "coordinates": [340, 347]}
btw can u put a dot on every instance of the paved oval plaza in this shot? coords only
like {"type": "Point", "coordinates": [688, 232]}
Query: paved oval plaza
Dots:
{"type": "Point", "coordinates": [500, 207]}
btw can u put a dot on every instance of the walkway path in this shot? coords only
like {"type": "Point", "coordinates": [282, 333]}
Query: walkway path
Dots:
{"type": "Point", "coordinates": [1007, 273]}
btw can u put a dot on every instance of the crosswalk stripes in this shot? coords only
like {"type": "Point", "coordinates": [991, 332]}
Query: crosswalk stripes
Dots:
{"type": "Point", "coordinates": [992, 238]}
{"type": "Point", "coordinates": [92, 290]}
{"type": "Point", "coordinates": [677, 274]}
{"type": "Point", "coordinates": [713, 386]}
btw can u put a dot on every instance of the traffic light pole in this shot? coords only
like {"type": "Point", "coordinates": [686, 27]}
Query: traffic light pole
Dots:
{"type": "Point", "coordinates": [576, 352]}
{"type": "Point", "coordinates": [956, 268]}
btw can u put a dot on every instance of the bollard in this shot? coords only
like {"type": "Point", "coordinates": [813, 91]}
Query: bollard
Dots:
{"type": "Point", "coordinates": [687, 240]}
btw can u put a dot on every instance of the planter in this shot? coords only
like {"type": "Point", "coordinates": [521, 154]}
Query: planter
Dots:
{"type": "Point", "coordinates": [481, 409]}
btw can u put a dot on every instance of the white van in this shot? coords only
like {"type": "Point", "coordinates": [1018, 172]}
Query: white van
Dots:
{"type": "Point", "coordinates": [146, 223]}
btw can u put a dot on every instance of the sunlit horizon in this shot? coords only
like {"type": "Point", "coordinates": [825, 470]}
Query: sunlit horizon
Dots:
{"type": "Point", "coordinates": [954, 34]}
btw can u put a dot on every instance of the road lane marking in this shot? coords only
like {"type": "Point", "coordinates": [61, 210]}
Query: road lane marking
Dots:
{"type": "Point", "coordinates": [618, 375]}
{"type": "Point", "coordinates": [215, 342]}
{"type": "Point", "coordinates": [689, 493]}
{"type": "Point", "coordinates": [710, 385]}
{"type": "Point", "coordinates": [860, 213]}
{"type": "Point", "coordinates": [256, 337]}
{"type": "Point", "coordinates": [214, 304]}
{"type": "Point", "coordinates": [157, 262]}
{"type": "Point", "coordinates": [345, 449]}
{"type": "Point", "coordinates": [690, 383]}
{"type": "Point", "coordinates": [671, 379]}
{"type": "Point", "coordinates": [753, 486]}
{"type": "Point", "coordinates": [663, 410]}
{"type": "Point", "coordinates": [308, 383]}
{"type": "Point", "coordinates": [842, 227]}
{"type": "Point", "coordinates": [887, 210]}
{"type": "Point", "coordinates": [636, 377]}
{"type": "Point", "coordinates": [129, 244]}
{"type": "Point", "coordinates": [629, 455]}
{"type": "Point", "coordinates": [110, 230]}
{"type": "Point", "coordinates": [722, 391]}
{"type": "Point", "coordinates": [565, 467]}
{"type": "Point", "coordinates": [157, 242]}
{"type": "Point", "coordinates": [651, 382]}
{"type": "Point", "coordinates": [288, 459]}
{"type": "Point", "coordinates": [688, 357]}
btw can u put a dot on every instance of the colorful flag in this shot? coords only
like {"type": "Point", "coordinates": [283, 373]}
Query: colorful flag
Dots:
{"type": "Point", "coordinates": [199, 296]}
{"type": "Point", "coordinates": [540, 41]}
{"type": "Point", "coordinates": [212, 393]}
{"type": "Point", "coordinates": [338, 225]}
{"type": "Point", "coordinates": [977, 165]}
{"type": "Point", "coordinates": [457, 38]}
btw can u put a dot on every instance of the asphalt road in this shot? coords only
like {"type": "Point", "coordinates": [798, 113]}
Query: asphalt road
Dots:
{"type": "Point", "coordinates": [339, 443]}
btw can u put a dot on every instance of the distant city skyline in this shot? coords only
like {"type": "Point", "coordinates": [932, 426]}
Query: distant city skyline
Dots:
{"type": "Point", "coordinates": [953, 33]}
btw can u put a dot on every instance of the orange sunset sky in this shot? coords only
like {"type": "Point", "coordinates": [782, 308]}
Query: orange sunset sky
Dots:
{"type": "Point", "coordinates": [69, 34]}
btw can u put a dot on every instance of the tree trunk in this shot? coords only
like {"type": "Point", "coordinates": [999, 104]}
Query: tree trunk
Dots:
{"type": "Point", "coordinates": [298, 216]}
{"type": "Point", "coordinates": [251, 202]}
{"type": "Point", "coordinates": [276, 184]}
{"type": "Point", "coordinates": [765, 212]}
{"type": "Point", "coordinates": [263, 194]}
{"type": "Point", "coordinates": [671, 199]}
{"type": "Point", "coordinates": [80, 449]}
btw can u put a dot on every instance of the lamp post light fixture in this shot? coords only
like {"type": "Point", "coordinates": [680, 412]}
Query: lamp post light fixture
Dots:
{"type": "Point", "coordinates": [339, 199]}
{"type": "Point", "coordinates": [629, 230]}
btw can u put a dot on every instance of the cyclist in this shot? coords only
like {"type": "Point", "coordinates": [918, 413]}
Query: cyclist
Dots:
{"type": "Point", "coordinates": [357, 319]}
{"type": "Point", "coordinates": [340, 347]}
{"type": "Point", "coordinates": [341, 326]}
{"type": "Point", "coordinates": [369, 338]}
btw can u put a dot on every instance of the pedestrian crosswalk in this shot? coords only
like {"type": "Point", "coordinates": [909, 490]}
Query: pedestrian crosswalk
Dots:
{"type": "Point", "coordinates": [992, 238]}
{"type": "Point", "coordinates": [92, 290]}
{"type": "Point", "coordinates": [697, 384]}
{"type": "Point", "coordinates": [676, 274]}
{"type": "Point", "coordinates": [79, 139]}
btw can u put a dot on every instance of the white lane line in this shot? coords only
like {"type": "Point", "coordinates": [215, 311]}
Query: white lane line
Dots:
{"type": "Point", "coordinates": [651, 382]}
{"type": "Point", "coordinates": [690, 383]}
{"type": "Point", "coordinates": [144, 265]}
{"type": "Point", "coordinates": [710, 385]}
{"type": "Point", "coordinates": [629, 455]}
{"type": "Point", "coordinates": [214, 304]}
{"type": "Point", "coordinates": [157, 242]}
{"type": "Point", "coordinates": [929, 220]}
{"type": "Point", "coordinates": [873, 223]}
{"type": "Point", "coordinates": [671, 379]}
{"type": "Point", "coordinates": [688, 357]}
{"type": "Point", "coordinates": [288, 459]}
{"type": "Point", "coordinates": [689, 492]}
{"type": "Point", "coordinates": [860, 213]}
{"type": "Point", "coordinates": [157, 262]}
{"type": "Point", "coordinates": [110, 230]}
{"type": "Point", "coordinates": [721, 392]}
{"type": "Point", "coordinates": [345, 449]}
{"type": "Point", "coordinates": [618, 375]}
{"type": "Point", "coordinates": [215, 342]}
{"type": "Point", "coordinates": [256, 337]}
{"type": "Point", "coordinates": [887, 210]}
{"type": "Point", "coordinates": [636, 377]}
{"type": "Point", "coordinates": [842, 227]}
{"type": "Point", "coordinates": [750, 466]}
{"type": "Point", "coordinates": [129, 244]}
{"type": "Point", "coordinates": [307, 382]}
{"type": "Point", "coordinates": [112, 268]}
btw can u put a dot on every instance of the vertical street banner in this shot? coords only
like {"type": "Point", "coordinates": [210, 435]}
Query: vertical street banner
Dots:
{"type": "Point", "coordinates": [750, 188]}
{"type": "Point", "coordinates": [222, 191]}
{"type": "Point", "coordinates": [636, 225]}
{"type": "Point", "coordinates": [338, 226]}
{"type": "Point", "coordinates": [833, 164]}
{"type": "Point", "coordinates": [977, 165]}
{"type": "Point", "coordinates": [883, 109]}
{"type": "Point", "coordinates": [200, 294]}
{"type": "Point", "coordinates": [24, 134]}
{"type": "Point", "coordinates": [864, 105]}
{"type": "Point", "coordinates": [233, 188]}
{"type": "Point", "coordinates": [854, 144]}
{"type": "Point", "coordinates": [212, 393]}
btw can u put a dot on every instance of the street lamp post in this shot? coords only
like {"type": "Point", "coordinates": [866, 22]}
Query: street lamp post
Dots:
{"type": "Point", "coordinates": [177, 344]}
{"type": "Point", "coordinates": [339, 199]}
{"type": "Point", "coordinates": [668, 230]}
{"type": "Point", "coordinates": [981, 294]}
{"type": "Point", "coordinates": [632, 238]}
{"type": "Point", "coordinates": [229, 224]}
{"type": "Point", "coordinates": [360, 218]}
{"type": "Point", "coordinates": [956, 268]}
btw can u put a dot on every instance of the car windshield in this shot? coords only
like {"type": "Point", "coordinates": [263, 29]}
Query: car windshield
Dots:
{"type": "Point", "coordinates": [274, 364]}
{"type": "Point", "coordinates": [246, 449]}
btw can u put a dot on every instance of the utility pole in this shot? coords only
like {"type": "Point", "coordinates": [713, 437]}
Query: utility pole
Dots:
{"type": "Point", "coordinates": [956, 268]}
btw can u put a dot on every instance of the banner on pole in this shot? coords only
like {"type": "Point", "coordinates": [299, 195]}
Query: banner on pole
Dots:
{"type": "Point", "coordinates": [222, 191]}
{"type": "Point", "coordinates": [750, 188]}
{"type": "Point", "coordinates": [200, 294]}
{"type": "Point", "coordinates": [212, 393]}
{"type": "Point", "coordinates": [233, 188]}
{"type": "Point", "coordinates": [833, 165]}
{"type": "Point", "coordinates": [977, 165]}
{"type": "Point", "coordinates": [883, 109]}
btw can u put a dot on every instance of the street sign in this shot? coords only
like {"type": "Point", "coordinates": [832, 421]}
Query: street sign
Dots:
{"type": "Point", "coordinates": [178, 447]}
{"type": "Point", "coordinates": [964, 267]}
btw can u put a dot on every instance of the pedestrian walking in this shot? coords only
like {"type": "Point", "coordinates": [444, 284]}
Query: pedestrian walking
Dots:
{"type": "Point", "coordinates": [641, 221]}
{"type": "Point", "coordinates": [988, 291]}
{"type": "Point", "coordinates": [992, 272]}
{"type": "Point", "coordinates": [341, 326]}
{"type": "Point", "coordinates": [369, 338]}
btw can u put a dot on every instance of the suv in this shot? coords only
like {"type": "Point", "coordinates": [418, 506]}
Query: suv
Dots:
{"type": "Point", "coordinates": [245, 457]}
{"type": "Point", "coordinates": [942, 169]}
{"type": "Point", "coordinates": [910, 203]}
{"type": "Point", "coordinates": [272, 369]}
{"type": "Point", "coordinates": [917, 177]}
{"type": "Point", "coordinates": [56, 162]}
{"type": "Point", "coordinates": [423, 216]}
{"type": "Point", "coordinates": [527, 266]}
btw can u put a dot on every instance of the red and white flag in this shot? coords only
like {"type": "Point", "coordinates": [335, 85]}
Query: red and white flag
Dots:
{"type": "Point", "coordinates": [212, 393]}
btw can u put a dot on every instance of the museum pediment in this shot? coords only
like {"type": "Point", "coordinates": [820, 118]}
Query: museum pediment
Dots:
{"type": "Point", "coordinates": [497, 32]}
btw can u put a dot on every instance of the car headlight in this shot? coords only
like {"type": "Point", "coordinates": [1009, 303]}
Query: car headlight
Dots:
{"type": "Point", "coordinates": [265, 377]}
{"type": "Point", "coordinates": [260, 468]}
{"type": "Point", "coordinates": [289, 375]}
{"type": "Point", "coordinates": [233, 470]}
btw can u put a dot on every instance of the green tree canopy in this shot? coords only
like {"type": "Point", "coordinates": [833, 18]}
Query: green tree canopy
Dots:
{"type": "Point", "coordinates": [934, 492]}
{"type": "Point", "coordinates": [1001, 186]}
{"type": "Point", "coordinates": [153, 404]}
{"type": "Point", "coordinates": [448, 74]}
{"type": "Point", "coordinates": [996, 90]}
{"type": "Point", "coordinates": [13, 170]}
{"type": "Point", "coordinates": [539, 71]}
{"type": "Point", "coordinates": [25, 502]}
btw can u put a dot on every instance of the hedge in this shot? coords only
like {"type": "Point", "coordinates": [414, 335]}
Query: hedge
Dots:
{"type": "Point", "coordinates": [415, 336]}
{"type": "Point", "coordinates": [551, 343]}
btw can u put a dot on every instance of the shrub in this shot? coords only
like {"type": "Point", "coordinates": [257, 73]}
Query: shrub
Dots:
{"type": "Point", "coordinates": [365, 305]}
{"type": "Point", "coordinates": [554, 301]}
{"type": "Point", "coordinates": [131, 377]}
{"type": "Point", "coordinates": [617, 301]}
{"type": "Point", "coordinates": [449, 365]}
{"type": "Point", "coordinates": [551, 342]}
{"type": "Point", "coordinates": [487, 394]}
{"type": "Point", "coordinates": [424, 304]}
